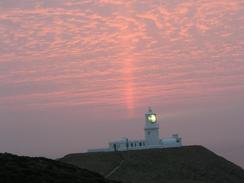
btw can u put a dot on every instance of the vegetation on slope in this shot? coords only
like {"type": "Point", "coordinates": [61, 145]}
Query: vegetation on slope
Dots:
{"type": "Point", "coordinates": [17, 169]}
{"type": "Point", "coordinates": [190, 164]}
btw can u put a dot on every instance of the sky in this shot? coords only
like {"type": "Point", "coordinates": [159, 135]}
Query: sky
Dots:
{"type": "Point", "coordinates": [76, 74]}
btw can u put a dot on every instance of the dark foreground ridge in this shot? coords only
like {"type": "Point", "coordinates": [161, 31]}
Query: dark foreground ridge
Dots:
{"type": "Point", "coordinates": [189, 164]}
{"type": "Point", "coordinates": [18, 169]}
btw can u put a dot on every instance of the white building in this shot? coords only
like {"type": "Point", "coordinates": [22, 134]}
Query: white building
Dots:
{"type": "Point", "coordinates": [152, 139]}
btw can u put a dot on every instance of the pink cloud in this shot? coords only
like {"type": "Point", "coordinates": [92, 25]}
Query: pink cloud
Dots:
{"type": "Point", "coordinates": [128, 55]}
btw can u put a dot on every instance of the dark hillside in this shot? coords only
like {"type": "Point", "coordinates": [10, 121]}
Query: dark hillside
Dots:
{"type": "Point", "coordinates": [190, 164]}
{"type": "Point", "coordinates": [20, 169]}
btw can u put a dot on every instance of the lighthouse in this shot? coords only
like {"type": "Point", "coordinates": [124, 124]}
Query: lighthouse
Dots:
{"type": "Point", "coordinates": [151, 129]}
{"type": "Point", "coordinates": [151, 138]}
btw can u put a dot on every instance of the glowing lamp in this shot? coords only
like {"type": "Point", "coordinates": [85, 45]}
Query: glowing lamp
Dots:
{"type": "Point", "coordinates": [152, 118]}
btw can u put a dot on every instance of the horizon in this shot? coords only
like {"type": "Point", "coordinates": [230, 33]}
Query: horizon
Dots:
{"type": "Point", "coordinates": [76, 75]}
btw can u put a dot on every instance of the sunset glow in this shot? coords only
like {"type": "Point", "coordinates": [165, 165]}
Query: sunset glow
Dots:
{"type": "Point", "coordinates": [173, 47]}
{"type": "Point", "coordinates": [61, 60]}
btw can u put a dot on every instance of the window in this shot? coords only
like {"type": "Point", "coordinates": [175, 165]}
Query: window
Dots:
{"type": "Point", "coordinates": [115, 147]}
{"type": "Point", "coordinates": [131, 144]}
{"type": "Point", "coordinates": [139, 143]}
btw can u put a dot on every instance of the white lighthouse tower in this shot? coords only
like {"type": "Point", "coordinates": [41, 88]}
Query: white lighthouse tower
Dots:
{"type": "Point", "coordinates": [151, 140]}
{"type": "Point", "coordinates": [151, 129]}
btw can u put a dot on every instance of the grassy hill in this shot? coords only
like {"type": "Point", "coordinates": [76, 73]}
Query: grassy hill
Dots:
{"type": "Point", "coordinates": [18, 169]}
{"type": "Point", "coordinates": [189, 164]}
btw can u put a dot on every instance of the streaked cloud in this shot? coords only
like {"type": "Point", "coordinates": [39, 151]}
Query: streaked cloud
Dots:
{"type": "Point", "coordinates": [117, 52]}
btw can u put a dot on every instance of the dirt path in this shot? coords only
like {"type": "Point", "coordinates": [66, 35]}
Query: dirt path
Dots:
{"type": "Point", "coordinates": [115, 169]}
